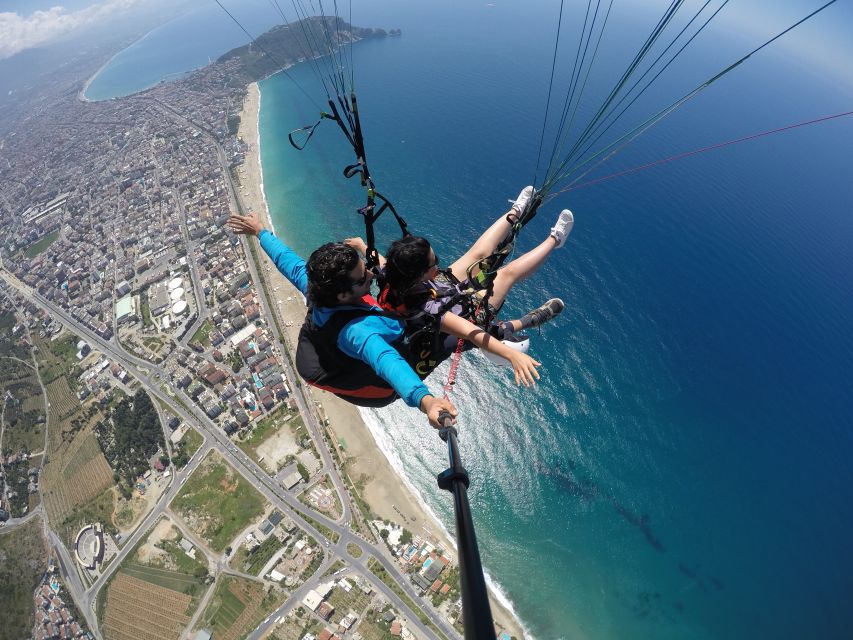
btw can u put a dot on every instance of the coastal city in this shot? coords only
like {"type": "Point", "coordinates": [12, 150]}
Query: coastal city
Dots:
{"type": "Point", "coordinates": [428, 320]}
{"type": "Point", "coordinates": [163, 471]}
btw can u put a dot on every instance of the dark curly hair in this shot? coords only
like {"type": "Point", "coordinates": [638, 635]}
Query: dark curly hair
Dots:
{"type": "Point", "coordinates": [328, 273]}
{"type": "Point", "coordinates": [405, 263]}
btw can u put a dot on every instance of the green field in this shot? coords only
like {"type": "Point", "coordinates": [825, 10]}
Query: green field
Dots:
{"type": "Point", "coordinates": [23, 558]}
{"type": "Point", "coordinates": [56, 357]}
{"type": "Point", "coordinates": [40, 245]}
{"type": "Point", "coordinates": [99, 509]}
{"type": "Point", "coordinates": [184, 450]}
{"type": "Point", "coordinates": [193, 566]}
{"type": "Point", "coordinates": [342, 601]}
{"type": "Point", "coordinates": [224, 609]}
{"type": "Point", "coordinates": [189, 578]}
{"type": "Point", "coordinates": [202, 335]}
{"type": "Point", "coordinates": [228, 615]}
{"type": "Point", "coordinates": [181, 582]}
{"type": "Point", "coordinates": [218, 502]}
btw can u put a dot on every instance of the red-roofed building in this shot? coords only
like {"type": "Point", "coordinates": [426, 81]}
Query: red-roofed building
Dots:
{"type": "Point", "coordinates": [396, 628]}
{"type": "Point", "coordinates": [212, 374]}
{"type": "Point", "coordinates": [325, 610]}
{"type": "Point", "coordinates": [435, 586]}
{"type": "Point", "coordinates": [445, 589]}
{"type": "Point", "coordinates": [325, 634]}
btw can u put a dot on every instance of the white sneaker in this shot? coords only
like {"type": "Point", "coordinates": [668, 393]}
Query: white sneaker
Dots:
{"type": "Point", "coordinates": [563, 227]}
{"type": "Point", "coordinates": [523, 198]}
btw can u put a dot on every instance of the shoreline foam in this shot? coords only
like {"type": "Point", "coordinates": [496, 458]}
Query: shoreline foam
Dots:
{"type": "Point", "coordinates": [496, 591]}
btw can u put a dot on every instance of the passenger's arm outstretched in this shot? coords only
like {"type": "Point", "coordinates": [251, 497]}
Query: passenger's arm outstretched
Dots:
{"type": "Point", "coordinates": [523, 365]}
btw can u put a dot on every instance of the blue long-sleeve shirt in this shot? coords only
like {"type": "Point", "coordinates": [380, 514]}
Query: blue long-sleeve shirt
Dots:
{"type": "Point", "coordinates": [368, 338]}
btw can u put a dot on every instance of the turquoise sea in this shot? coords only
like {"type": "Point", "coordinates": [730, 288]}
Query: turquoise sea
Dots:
{"type": "Point", "coordinates": [683, 469]}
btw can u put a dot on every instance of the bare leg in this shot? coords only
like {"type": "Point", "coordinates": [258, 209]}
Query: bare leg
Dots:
{"type": "Point", "coordinates": [519, 269]}
{"type": "Point", "coordinates": [484, 246]}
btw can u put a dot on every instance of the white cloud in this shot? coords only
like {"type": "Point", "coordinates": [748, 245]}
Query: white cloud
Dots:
{"type": "Point", "coordinates": [18, 32]}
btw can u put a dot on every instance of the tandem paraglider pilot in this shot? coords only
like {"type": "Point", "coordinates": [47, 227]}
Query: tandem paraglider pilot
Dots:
{"type": "Point", "coordinates": [347, 345]}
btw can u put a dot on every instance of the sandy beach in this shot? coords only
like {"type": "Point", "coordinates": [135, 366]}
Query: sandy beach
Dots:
{"type": "Point", "coordinates": [385, 491]}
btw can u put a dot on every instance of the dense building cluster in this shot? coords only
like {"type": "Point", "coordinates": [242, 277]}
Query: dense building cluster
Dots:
{"type": "Point", "coordinates": [54, 617]}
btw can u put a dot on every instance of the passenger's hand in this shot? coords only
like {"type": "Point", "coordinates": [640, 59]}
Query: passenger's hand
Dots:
{"type": "Point", "coordinates": [358, 244]}
{"type": "Point", "coordinates": [248, 225]}
{"type": "Point", "coordinates": [524, 368]}
{"type": "Point", "coordinates": [433, 406]}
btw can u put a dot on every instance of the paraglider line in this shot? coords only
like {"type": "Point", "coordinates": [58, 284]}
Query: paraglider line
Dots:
{"type": "Point", "coordinates": [698, 151]}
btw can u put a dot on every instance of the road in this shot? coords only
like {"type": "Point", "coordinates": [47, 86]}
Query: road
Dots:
{"type": "Point", "coordinates": [153, 378]}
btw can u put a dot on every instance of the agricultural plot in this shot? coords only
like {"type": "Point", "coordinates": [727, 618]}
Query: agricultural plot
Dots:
{"type": "Point", "coordinates": [237, 607]}
{"type": "Point", "coordinates": [24, 427]}
{"type": "Point", "coordinates": [372, 630]}
{"type": "Point", "coordinates": [24, 414]}
{"type": "Point", "coordinates": [217, 502]}
{"type": "Point", "coordinates": [76, 477]}
{"type": "Point", "coordinates": [161, 561]}
{"type": "Point", "coordinates": [8, 343]}
{"type": "Point", "coordinates": [182, 582]}
{"type": "Point", "coordinates": [34, 401]}
{"type": "Point", "coordinates": [63, 401]}
{"type": "Point", "coordinates": [296, 627]}
{"type": "Point", "coordinates": [139, 610]}
{"type": "Point", "coordinates": [56, 357]}
{"type": "Point", "coordinates": [14, 371]}
{"type": "Point", "coordinates": [344, 602]}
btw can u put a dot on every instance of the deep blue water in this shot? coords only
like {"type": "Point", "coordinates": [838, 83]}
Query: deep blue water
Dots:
{"type": "Point", "coordinates": [682, 470]}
